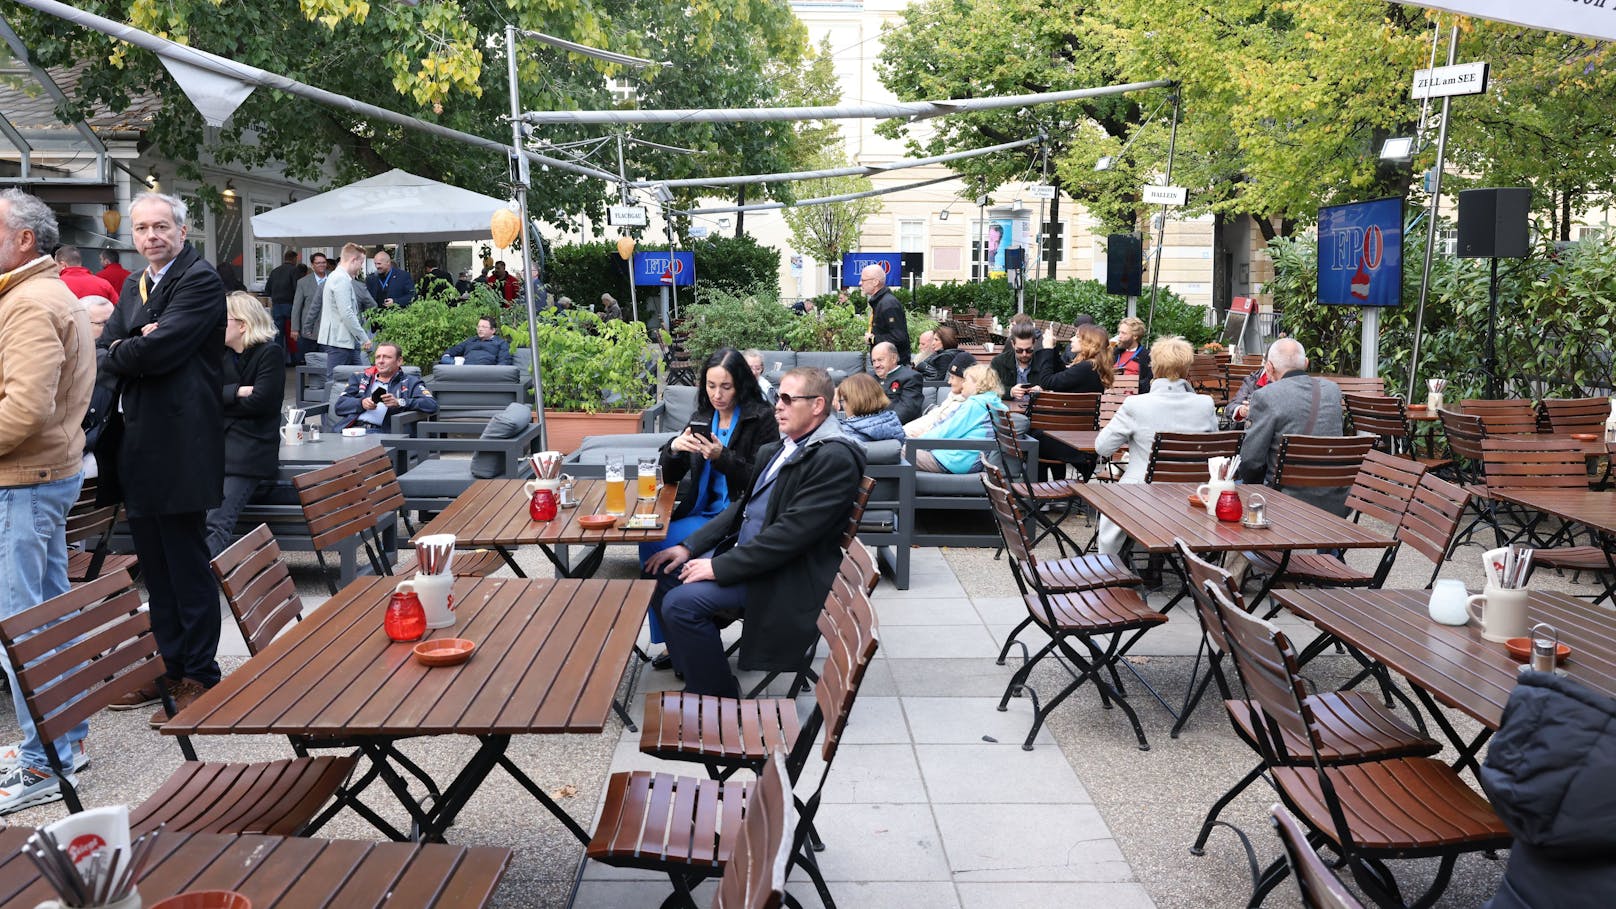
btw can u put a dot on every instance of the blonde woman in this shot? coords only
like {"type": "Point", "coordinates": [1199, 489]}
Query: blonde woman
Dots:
{"type": "Point", "coordinates": [973, 420]}
{"type": "Point", "coordinates": [254, 384]}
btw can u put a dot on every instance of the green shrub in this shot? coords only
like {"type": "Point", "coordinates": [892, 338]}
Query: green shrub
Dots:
{"type": "Point", "coordinates": [588, 364]}
{"type": "Point", "coordinates": [428, 327]}
{"type": "Point", "coordinates": [584, 271]}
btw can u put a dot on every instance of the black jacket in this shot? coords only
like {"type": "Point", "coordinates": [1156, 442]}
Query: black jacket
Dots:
{"type": "Point", "coordinates": [1550, 774]}
{"type": "Point", "coordinates": [281, 285]}
{"type": "Point", "coordinates": [888, 323]}
{"type": "Point", "coordinates": [102, 399]}
{"type": "Point", "coordinates": [788, 567]}
{"type": "Point", "coordinates": [756, 429]}
{"type": "Point", "coordinates": [164, 454]}
{"type": "Point", "coordinates": [1079, 377]}
{"type": "Point", "coordinates": [252, 424]}
{"type": "Point", "coordinates": [1044, 364]}
{"type": "Point", "coordinates": [902, 386]}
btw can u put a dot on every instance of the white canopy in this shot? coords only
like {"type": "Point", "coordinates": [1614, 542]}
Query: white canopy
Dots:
{"type": "Point", "coordinates": [1588, 19]}
{"type": "Point", "coordinates": [393, 206]}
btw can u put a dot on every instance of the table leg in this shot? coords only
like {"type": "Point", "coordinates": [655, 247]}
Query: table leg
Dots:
{"type": "Point", "coordinates": [1467, 750]}
{"type": "Point", "coordinates": [543, 797]}
{"type": "Point", "coordinates": [1268, 584]}
{"type": "Point", "coordinates": [585, 568]}
{"type": "Point", "coordinates": [510, 561]}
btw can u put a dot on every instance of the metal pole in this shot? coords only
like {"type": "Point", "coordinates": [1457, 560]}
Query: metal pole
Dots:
{"type": "Point", "coordinates": [633, 288]}
{"type": "Point", "coordinates": [1161, 234]}
{"type": "Point", "coordinates": [1430, 225]}
{"type": "Point", "coordinates": [529, 235]}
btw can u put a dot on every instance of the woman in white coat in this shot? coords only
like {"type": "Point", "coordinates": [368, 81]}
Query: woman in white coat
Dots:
{"type": "Point", "coordinates": [1171, 406]}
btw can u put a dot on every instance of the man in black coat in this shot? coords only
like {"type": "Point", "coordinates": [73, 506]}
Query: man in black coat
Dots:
{"type": "Point", "coordinates": [164, 453]}
{"type": "Point", "coordinates": [887, 321]}
{"type": "Point", "coordinates": [1023, 364]}
{"type": "Point", "coordinates": [901, 383]}
{"type": "Point", "coordinates": [281, 288]}
{"type": "Point", "coordinates": [771, 555]}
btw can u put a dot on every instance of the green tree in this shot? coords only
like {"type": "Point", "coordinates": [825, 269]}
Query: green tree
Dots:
{"type": "Point", "coordinates": [826, 231]}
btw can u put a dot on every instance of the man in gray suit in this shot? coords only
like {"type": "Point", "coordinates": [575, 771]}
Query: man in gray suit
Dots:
{"type": "Point", "coordinates": [306, 305]}
{"type": "Point", "coordinates": [1292, 403]}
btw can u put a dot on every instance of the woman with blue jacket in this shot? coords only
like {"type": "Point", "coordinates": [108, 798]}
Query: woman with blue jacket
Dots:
{"type": "Point", "coordinates": [973, 420]}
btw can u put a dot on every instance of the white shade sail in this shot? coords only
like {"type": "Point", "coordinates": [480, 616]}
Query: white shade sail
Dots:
{"type": "Point", "coordinates": [1589, 19]}
{"type": "Point", "coordinates": [393, 206]}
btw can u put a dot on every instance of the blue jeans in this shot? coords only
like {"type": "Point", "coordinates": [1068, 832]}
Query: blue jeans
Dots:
{"type": "Point", "coordinates": [33, 562]}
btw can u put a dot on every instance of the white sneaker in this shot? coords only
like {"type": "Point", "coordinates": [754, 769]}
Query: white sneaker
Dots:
{"type": "Point", "coordinates": [24, 788]}
{"type": "Point", "coordinates": [12, 753]}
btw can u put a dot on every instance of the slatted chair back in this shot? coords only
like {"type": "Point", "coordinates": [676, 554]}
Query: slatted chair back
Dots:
{"type": "Point", "coordinates": [1012, 524]}
{"type": "Point", "coordinates": [1320, 888]}
{"type": "Point", "coordinates": [91, 525]}
{"type": "Point", "coordinates": [1384, 486]}
{"type": "Point", "coordinates": [1180, 457]}
{"type": "Point", "coordinates": [1238, 371]}
{"type": "Point", "coordinates": [1320, 461]}
{"type": "Point", "coordinates": [755, 876]}
{"type": "Point", "coordinates": [1269, 673]}
{"type": "Point", "coordinates": [1359, 385]}
{"type": "Point", "coordinates": [1201, 573]}
{"type": "Point", "coordinates": [258, 587]}
{"type": "Point", "coordinates": [1063, 411]}
{"type": "Point", "coordinates": [1432, 518]}
{"type": "Point", "coordinates": [852, 645]}
{"type": "Point", "coordinates": [1111, 400]}
{"type": "Point", "coordinates": [1004, 434]}
{"type": "Point", "coordinates": [1210, 377]}
{"type": "Point", "coordinates": [1516, 461]}
{"type": "Point", "coordinates": [1464, 432]}
{"type": "Point", "coordinates": [1567, 415]}
{"type": "Point", "coordinates": [861, 499]}
{"type": "Point", "coordinates": [1382, 416]}
{"type": "Point", "coordinates": [1123, 384]}
{"type": "Point", "coordinates": [865, 573]}
{"type": "Point", "coordinates": [1512, 416]}
{"type": "Point", "coordinates": [346, 499]}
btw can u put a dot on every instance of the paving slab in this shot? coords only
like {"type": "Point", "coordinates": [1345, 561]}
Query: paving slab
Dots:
{"type": "Point", "coordinates": [1018, 842]}
{"type": "Point", "coordinates": [960, 774]}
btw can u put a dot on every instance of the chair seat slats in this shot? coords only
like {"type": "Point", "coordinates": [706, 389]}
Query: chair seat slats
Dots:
{"type": "Point", "coordinates": [1418, 804]}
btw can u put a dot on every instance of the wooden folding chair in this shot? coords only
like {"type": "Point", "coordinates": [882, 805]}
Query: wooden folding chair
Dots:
{"type": "Point", "coordinates": [1386, 418]}
{"type": "Point", "coordinates": [1352, 726]}
{"type": "Point", "coordinates": [78, 652]}
{"type": "Point", "coordinates": [755, 877]}
{"type": "Point", "coordinates": [1406, 807]}
{"type": "Point", "coordinates": [1034, 495]}
{"type": "Point", "coordinates": [1359, 385]}
{"type": "Point", "coordinates": [1319, 886]}
{"type": "Point", "coordinates": [1512, 416]}
{"type": "Point", "coordinates": [1319, 462]}
{"type": "Point", "coordinates": [1180, 457]}
{"type": "Point", "coordinates": [1567, 415]}
{"type": "Point", "coordinates": [1210, 377]}
{"type": "Point", "coordinates": [688, 827]}
{"type": "Point", "coordinates": [1537, 463]}
{"type": "Point", "coordinates": [1061, 411]}
{"type": "Point", "coordinates": [91, 525]}
{"type": "Point", "coordinates": [1118, 614]}
{"type": "Point", "coordinates": [1465, 432]}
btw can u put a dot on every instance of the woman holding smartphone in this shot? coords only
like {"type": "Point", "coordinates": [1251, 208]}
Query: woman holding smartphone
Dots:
{"type": "Point", "coordinates": [712, 459]}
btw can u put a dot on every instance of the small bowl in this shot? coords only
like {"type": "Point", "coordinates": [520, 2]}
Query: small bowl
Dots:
{"type": "Point", "coordinates": [597, 521]}
{"type": "Point", "coordinates": [350, 432]}
{"type": "Point", "coordinates": [444, 651]}
{"type": "Point", "coordinates": [1521, 650]}
{"type": "Point", "coordinates": [205, 899]}
{"type": "Point", "coordinates": [1585, 436]}
{"type": "Point", "coordinates": [1196, 502]}
{"type": "Point", "coordinates": [1415, 407]}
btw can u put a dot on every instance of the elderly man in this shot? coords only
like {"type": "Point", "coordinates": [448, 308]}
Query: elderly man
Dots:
{"type": "Point", "coordinates": [1292, 403]}
{"type": "Point", "coordinates": [771, 555]}
{"type": "Point", "coordinates": [167, 440]}
{"type": "Point", "coordinates": [342, 335]}
{"type": "Point", "coordinates": [383, 389]}
{"type": "Point", "coordinates": [1023, 365]}
{"type": "Point", "coordinates": [928, 348]}
{"type": "Point", "coordinates": [47, 369]}
{"type": "Point", "coordinates": [610, 309]}
{"type": "Point", "coordinates": [485, 349]}
{"type": "Point", "coordinates": [901, 384]}
{"type": "Point", "coordinates": [887, 320]}
{"type": "Point", "coordinates": [389, 286]}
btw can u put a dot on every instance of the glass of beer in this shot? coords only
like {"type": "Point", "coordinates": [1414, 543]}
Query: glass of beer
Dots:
{"type": "Point", "coordinates": [616, 491]}
{"type": "Point", "coordinates": [650, 477]}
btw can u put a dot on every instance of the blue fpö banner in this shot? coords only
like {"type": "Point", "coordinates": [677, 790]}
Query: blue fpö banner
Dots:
{"type": "Point", "coordinates": [1361, 253]}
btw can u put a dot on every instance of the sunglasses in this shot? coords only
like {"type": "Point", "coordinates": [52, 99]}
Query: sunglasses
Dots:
{"type": "Point", "coordinates": [789, 400]}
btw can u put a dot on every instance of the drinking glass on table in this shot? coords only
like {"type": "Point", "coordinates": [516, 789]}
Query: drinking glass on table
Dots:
{"type": "Point", "coordinates": [650, 477]}
{"type": "Point", "coordinates": [616, 491]}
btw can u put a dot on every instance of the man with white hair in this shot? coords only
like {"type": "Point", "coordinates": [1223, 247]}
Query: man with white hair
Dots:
{"type": "Point", "coordinates": [887, 321]}
{"type": "Point", "coordinates": [1292, 403]}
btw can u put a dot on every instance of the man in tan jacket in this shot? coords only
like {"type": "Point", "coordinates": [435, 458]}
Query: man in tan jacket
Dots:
{"type": "Point", "coordinates": [47, 370]}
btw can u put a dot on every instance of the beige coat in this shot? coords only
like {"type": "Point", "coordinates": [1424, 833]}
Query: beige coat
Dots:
{"type": "Point", "coordinates": [47, 371]}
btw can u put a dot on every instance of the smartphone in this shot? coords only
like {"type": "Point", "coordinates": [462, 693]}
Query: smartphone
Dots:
{"type": "Point", "coordinates": [701, 429]}
{"type": "Point", "coordinates": [378, 393]}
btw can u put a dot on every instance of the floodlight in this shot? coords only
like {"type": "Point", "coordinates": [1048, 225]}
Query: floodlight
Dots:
{"type": "Point", "coordinates": [1106, 162]}
{"type": "Point", "coordinates": [1397, 148]}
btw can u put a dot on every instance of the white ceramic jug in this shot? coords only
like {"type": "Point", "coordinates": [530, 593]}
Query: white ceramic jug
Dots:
{"type": "Point", "coordinates": [1215, 485]}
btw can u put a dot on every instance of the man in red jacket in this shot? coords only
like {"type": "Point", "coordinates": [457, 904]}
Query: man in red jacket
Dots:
{"type": "Point", "coordinates": [79, 279]}
{"type": "Point", "coordinates": [112, 271]}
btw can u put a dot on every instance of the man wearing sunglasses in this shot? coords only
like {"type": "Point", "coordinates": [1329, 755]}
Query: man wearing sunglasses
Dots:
{"type": "Point", "coordinates": [771, 555]}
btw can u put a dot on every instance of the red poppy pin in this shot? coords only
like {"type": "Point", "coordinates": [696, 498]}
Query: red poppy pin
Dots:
{"type": "Point", "coordinates": [894, 386]}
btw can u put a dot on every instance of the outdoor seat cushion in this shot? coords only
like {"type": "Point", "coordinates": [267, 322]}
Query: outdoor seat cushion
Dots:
{"type": "Point", "coordinates": [436, 478]}
{"type": "Point", "coordinates": [949, 484]}
{"type": "Point", "coordinates": [679, 405]}
{"type": "Point", "coordinates": [886, 451]}
{"type": "Point", "coordinates": [845, 361]}
{"type": "Point", "coordinates": [448, 374]}
{"type": "Point", "coordinates": [632, 446]}
{"type": "Point", "coordinates": [507, 424]}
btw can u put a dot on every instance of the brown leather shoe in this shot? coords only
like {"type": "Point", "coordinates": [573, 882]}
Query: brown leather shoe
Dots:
{"type": "Point", "coordinates": [184, 692]}
{"type": "Point", "coordinates": [145, 697]}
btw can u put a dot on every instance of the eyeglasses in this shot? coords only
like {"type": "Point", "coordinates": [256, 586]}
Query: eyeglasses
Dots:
{"type": "Point", "coordinates": [94, 322]}
{"type": "Point", "coordinates": [789, 400]}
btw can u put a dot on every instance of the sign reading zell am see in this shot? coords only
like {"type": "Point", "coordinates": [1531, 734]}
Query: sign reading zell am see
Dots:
{"type": "Point", "coordinates": [1450, 81]}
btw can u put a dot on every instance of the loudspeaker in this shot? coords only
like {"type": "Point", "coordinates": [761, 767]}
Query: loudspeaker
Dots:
{"type": "Point", "coordinates": [1493, 223]}
{"type": "Point", "coordinates": [1015, 259]}
{"type": "Point", "coordinates": [911, 265]}
{"type": "Point", "coordinates": [1124, 265]}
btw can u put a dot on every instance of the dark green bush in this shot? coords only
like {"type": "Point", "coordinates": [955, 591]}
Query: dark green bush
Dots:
{"type": "Point", "coordinates": [584, 271]}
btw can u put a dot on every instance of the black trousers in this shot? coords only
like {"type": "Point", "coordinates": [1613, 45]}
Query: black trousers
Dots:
{"type": "Point", "coordinates": [173, 553]}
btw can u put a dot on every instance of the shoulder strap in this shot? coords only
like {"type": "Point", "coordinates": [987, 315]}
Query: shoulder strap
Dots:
{"type": "Point", "coordinates": [1313, 411]}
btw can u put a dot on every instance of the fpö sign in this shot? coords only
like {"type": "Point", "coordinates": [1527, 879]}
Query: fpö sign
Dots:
{"type": "Point", "coordinates": [890, 262]}
{"type": "Point", "coordinates": [654, 268]}
{"type": "Point", "coordinates": [1361, 253]}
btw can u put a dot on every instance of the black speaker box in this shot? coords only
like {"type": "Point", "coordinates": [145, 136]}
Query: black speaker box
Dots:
{"type": "Point", "coordinates": [911, 265]}
{"type": "Point", "coordinates": [1015, 259]}
{"type": "Point", "coordinates": [1493, 223]}
{"type": "Point", "coordinates": [1124, 265]}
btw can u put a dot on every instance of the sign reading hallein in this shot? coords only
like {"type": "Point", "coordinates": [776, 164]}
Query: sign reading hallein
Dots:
{"type": "Point", "coordinates": [1165, 195]}
{"type": "Point", "coordinates": [1450, 81]}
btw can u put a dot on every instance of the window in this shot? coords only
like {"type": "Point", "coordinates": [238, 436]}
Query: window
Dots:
{"type": "Point", "coordinates": [197, 217]}
{"type": "Point", "coordinates": [1590, 233]}
{"type": "Point", "coordinates": [265, 255]}
{"type": "Point", "coordinates": [1055, 241]}
{"type": "Point", "coordinates": [911, 235]}
{"type": "Point", "coordinates": [1447, 241]}
{"type": "Point", "coordinates": [623, 91]}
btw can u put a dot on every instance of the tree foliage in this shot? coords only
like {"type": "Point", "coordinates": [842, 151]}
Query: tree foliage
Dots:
{"type": "Point", "coordinates": [828, 230]}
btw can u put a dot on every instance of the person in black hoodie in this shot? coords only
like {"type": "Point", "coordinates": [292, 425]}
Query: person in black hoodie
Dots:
{"type": "Point", "coordinates": [254, 383]}
{"type": "Point", "coordinates": [1550, 774]}
{"type": "Point", "coordinates": [711, 460]}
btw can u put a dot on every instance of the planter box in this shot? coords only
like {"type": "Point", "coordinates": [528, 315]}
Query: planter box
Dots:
{"type": "Point", "coordinates": [564, 429]}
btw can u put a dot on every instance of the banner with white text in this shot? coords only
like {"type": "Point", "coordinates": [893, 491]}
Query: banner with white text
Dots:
{"type": "Point", "coordinates": [1589, 18]}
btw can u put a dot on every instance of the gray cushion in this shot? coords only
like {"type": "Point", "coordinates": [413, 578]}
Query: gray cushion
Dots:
{"type": "Point", "coordinates": [507, 424]}
{"type": "Point", "coordinates": [680, 406]}
{"type": "Point", "coordinates": [447, 373]}
{"type": "Point", "coordinates": [948, 484]}
{"type": "Point", "coordinates": [886, 451]}
{"type": "Point", "coordinates": [591, 453]}
{"type": "Point", "coordinates": [436, 478]}
{"type": "Point", "coordinates": [847, 361]}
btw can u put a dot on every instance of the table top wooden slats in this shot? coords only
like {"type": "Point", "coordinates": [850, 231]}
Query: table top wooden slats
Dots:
{"type": "Point", "coordinates": [494, 513]}
{"type": "Point", "coordinates": [287, 872]}
{"type": "Point", "coordinates": [549, 658]}
{"type": "Point", "coordinates": [1077, 439]}
{"type": "Point", "coordinates": [1582, 506]}
{"type": "Point", "coordinates": [1152, 514]}
{"type": "Point", "coordinates": [1453, 663]}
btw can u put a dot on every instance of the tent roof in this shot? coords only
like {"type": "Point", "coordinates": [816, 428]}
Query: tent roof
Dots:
{"type": "Point", "coordinates": [393, 206]}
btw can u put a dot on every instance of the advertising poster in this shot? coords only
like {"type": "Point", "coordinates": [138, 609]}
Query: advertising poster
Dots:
{"type": "Point", "coordinates": [1361, 253]}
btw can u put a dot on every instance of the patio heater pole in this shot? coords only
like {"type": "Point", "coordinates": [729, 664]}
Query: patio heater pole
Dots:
{"type": "Point", "coordinates": [1430, 224]}
{"type": "Point", "coordinates": [1161, 232]}
{"type": "Point", "coordinates": [633, 281]}
{"type": "Point", "coordinates": [529, 234]}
